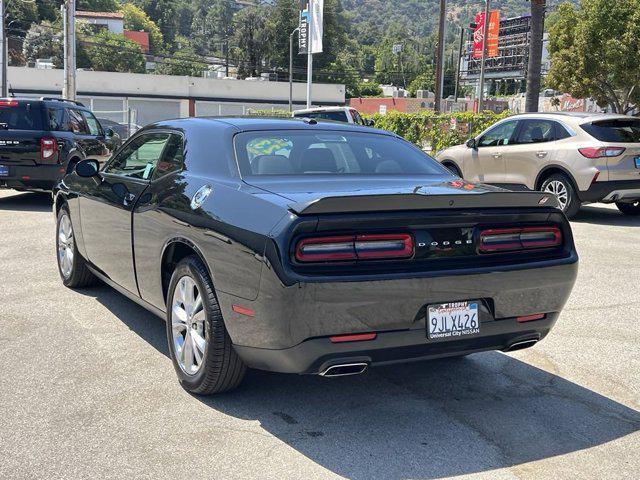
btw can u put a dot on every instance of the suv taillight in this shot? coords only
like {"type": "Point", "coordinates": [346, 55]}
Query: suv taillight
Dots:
{"type": "Point", "coordinates": [355, 247]}
{"type": "Point", "coordinates": [602, 152]}
{"type": "Point", "coordinates": [515, 239]}
{"type": "Point", "coordinates": [49, 150]}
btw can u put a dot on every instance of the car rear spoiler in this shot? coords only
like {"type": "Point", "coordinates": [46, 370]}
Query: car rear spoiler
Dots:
{"type": "Point", "coordinates": [412, 201]}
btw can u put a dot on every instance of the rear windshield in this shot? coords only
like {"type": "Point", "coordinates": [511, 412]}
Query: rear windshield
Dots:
{"type": "Point", "coordinates": [620, 131]}
{"type": "Point", "coordinates": [338, 116]}
{"type": "Point", "coordinates": [20, 116]}
{"type": "Point", "coordinates": [325, 152]}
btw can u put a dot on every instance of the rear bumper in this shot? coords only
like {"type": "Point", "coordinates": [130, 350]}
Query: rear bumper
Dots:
{"type": "Point", "coordinates": [613, 191]}
{"type": "Point", "coordinates": [32, 177]}
{"type": "Point", "coordinates": [316, 355]}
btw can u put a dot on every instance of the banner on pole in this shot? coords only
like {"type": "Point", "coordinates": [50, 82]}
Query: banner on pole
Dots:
{"type": "Point", "coordinates": [493, 34]}
{"type": "Point", "coordinates": [311, 26]}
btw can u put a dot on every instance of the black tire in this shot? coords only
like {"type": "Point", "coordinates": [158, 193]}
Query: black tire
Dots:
{"type": "Point", "coordinates": [572, 203]}
{"type": "Point", "coordinates": [452, 168]}
{"type": "Point", "coordinates": [632, 209]}
{"type": "Point", "coordinates": [78, 275]}
{"type": "Point", "coordinates": [221, 369]}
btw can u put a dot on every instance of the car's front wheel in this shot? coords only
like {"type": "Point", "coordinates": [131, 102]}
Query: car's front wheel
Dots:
{"type": "Point", "coordinates": [200, 347]}
{"type": "Point", "coordinates": [629, 208]}
{"type": "Point", "coordinates": [562, 188]}
{"type": "Point", "coordinates": [71, 266]}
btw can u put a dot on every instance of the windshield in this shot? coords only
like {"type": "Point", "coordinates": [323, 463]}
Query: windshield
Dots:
{"type": "Point", "coordinates": [620, 131]}
{"type": "Point", "coordinates": [16, 115]}
{"type": "Point", "coordinates": [325, 152]}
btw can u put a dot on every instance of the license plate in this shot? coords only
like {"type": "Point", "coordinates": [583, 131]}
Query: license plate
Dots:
{"type": "Point", "coordinates": [4, 170]}
{"type": "Point", "coordinates": [638, 162]}
{"type": "Point", "coordinates": [451, 320]}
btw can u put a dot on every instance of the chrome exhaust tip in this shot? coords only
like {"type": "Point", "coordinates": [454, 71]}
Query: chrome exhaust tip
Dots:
{"type": "Point", "coordinates": [521, 345]}
{"type": "Point", "coordinates": [344, 369]}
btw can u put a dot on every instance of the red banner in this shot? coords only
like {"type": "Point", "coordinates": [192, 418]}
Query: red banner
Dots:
{"type": "Point", "coordinates": [493, 34]}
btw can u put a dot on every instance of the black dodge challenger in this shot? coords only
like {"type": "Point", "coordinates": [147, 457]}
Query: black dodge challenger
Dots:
{"type": "Point", "coordinates": [304, 247]}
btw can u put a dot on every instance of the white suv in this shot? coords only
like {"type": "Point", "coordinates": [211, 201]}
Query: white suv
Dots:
{"type": "Point", "coordinates": [335, 114]}
{"type": "Point", "coordinates": [580, 157]}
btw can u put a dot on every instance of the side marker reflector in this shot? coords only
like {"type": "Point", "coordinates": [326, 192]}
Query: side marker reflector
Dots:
{"type": "Point", "coordinates": [358, 337]}
{"type": "Point", "coordinates": [243, 310]}
{"type": "Point", "coordinates": [531, 318]}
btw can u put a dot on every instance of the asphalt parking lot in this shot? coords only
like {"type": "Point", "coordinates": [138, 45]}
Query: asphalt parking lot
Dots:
{"type": "Point", "coordinates": [87, 389]}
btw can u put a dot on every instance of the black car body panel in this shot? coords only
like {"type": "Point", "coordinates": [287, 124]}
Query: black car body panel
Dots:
{"type": "Point", "coordinates": [246, 231]}
{"type": "Point", "coordinates": [26, 123]}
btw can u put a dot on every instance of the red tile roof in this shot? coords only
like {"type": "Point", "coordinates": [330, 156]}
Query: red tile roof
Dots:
{"type": "Point", "coordinates": [141, 38]}
{"type": "Point", "coordinates": [113, 15]}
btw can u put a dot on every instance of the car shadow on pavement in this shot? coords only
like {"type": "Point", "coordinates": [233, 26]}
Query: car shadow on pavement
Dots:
{"type": "Point", "coordinates": [421, 420]}
{"type": "Point", "coordinates": [27, 202]}
{"type": "Point", "coordinates": [605, 216]}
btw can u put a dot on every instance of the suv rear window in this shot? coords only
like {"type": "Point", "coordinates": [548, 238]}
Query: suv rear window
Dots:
{"type": "Point", "coordinates": [338, 116]}
{"type": "Point", "coordinates": [620, 130]}
{"type": "Point", "coordinates": [20, 116]}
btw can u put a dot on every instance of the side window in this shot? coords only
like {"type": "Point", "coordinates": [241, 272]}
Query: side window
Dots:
{"type": "Point", "coordinates": [173, 158]}
{"type": "Point", "coordinates": [92, 123]}
{"type": "Point", "coordinates": [536, 131]}
{"type": "Point", "coordinates": [56, 117]}
{"type": "Point", "coordinates": [139, 158]}
{"type": "Point", "coordinates": [560, 131]}
{"type": "Point", "coordinates": [77, 123]}
{"type": "Point", "coordinates": [498, 136]}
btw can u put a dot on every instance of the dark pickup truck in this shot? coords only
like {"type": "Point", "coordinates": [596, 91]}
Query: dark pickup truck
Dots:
{"type": "Point", "coordinates": [41, 140]}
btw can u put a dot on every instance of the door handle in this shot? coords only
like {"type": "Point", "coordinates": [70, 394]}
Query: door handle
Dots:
{"type": "Point", "coordinates": [541, 154]}
{"type": "Point", "coordinates": [497, 155]}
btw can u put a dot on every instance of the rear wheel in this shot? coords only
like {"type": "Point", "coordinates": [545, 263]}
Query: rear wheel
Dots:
{"type": "Point", "coordinates": [200, 347]}
{"type": "Point", "coordinates": [562, 188]}
{"type": "Point", "coordinates": [629, 208]}
{"type": "Point", "coordinates": [71, 266]}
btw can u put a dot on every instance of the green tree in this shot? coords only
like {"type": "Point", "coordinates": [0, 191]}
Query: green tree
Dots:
{"type": "Point", "coordinates": [252, 40]}
{"type": "Point", "coordinates": [167, 15]}
{"type": "Point", "coordinates": [424, 81]}
{"type": "Point", "coordinates": [184, 62]}
{"type": "Point", "coordinates": [136, 19]}
{"type": "Point", "coordinates": [112, 52]}
{"type": "Point", "coordinates": [594, 52]}
{"type": "Point", "coordinates": [20, 16]}
{"type": "Point", "coordinates": [41, 41]}
{"type": "Point", "coordinates": [98, 5]}
{"type": "Point", "coordinates": [369, 89]}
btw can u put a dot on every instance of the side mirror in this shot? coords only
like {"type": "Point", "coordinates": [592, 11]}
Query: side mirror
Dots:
{"type": "Point", "coordinates": [471, 143]}
{"type": "Point", "coordinates": [109, 132]}
{"type": "Point", "coordinates": [369, 122]}
{"type": "Point", "coordinates": [88, 168]}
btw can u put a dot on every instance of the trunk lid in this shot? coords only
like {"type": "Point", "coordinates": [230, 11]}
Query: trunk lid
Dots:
{"type": "Point", "coordinates": [353, 194]}
{"type": "Point", "coordinates": [22, 126]}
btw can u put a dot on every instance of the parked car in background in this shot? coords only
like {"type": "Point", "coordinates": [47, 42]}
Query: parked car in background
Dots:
{"type": "Point", "coordinates": [580, 157]}
{"type": "Point", "coordinates": [335, 114]}
{"type": "Point", "coordinates": [123, 130]}
{"type": "Point", "coordinates": [41, 140]}
{"type": "Point", "coordinates": [307, 247]}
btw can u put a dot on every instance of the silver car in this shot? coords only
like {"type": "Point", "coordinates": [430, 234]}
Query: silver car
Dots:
{"type": "Point", "coordinates": [580, 157]}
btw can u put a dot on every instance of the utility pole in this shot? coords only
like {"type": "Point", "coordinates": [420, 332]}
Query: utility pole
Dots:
{"type": "Point", "coordinates": [485, 34]}
{"type": "Point", "coordinates": [291, 35]}
{"type": "Point", "coordinates": [3, 39]}
{"type": "Point", "coordinates": [69, 22]}
{"type": "Point", "coordinates": [226, 53]}
{"type": "Point", "coordinates": [440, 57]}
{"type": "Point", "coordinates": [455, 93]}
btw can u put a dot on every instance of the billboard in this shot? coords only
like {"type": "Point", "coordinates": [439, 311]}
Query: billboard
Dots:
{"type": "Point", "coordinates": [493, 34]}
{"type": "Point", "coordinates": [311, 26]}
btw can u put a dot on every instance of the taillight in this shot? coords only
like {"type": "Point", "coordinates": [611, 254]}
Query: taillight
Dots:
{"type": "Point", "coordinates": [49, 150]}
{"type": "Point", "coordinates": [355, 247]}
{"type": "Point", "coordinates": [602, 152]}
{"type": "Point", "coordinates": [8, 103]}
{"type": "Point", "coordinates": [514, 239]}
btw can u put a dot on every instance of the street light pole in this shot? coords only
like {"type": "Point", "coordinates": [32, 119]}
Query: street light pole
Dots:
{"type": "Point", "coordinates": [455, 94]}
{"type": "Point", "coordinates": [3, 39]}
{"type": "Point", "coordinates": [309, 57]}
{"type": "Point", "coordinates": [485, 33]}
{"type": "Point", "coordinates": [291, 35]}
{"type": "Point", "coordinates": [440, 57]}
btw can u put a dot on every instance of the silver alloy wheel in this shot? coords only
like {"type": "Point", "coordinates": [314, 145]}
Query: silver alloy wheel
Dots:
{"type": "Point", "coordinates": [65, 246]}
{"type": "Point", "coordinates": [188, 325]}
{"type": "Point", "coordinates": [559, 189]}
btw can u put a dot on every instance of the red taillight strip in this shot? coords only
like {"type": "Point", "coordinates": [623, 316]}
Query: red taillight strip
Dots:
{"type": "Point", "coordinates": [531, 318]}
{"type": "Point", "coordinates": [513, 239]}
{"type": "Point", "coordinates": [355, 247]}
{"type": "Point", "coordinates": [356, 337]}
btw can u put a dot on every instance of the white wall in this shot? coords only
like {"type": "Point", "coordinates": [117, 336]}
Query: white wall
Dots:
{"type": "Point", "coordinates": [114, 25]}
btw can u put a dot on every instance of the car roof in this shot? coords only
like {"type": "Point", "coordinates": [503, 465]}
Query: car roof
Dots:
{"type": "Point", "coordinates": [577, 117]}
{"type": "Point", "coordinates": [243, 124]}
{"type": "Point", "coordinates": [322, 109]}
